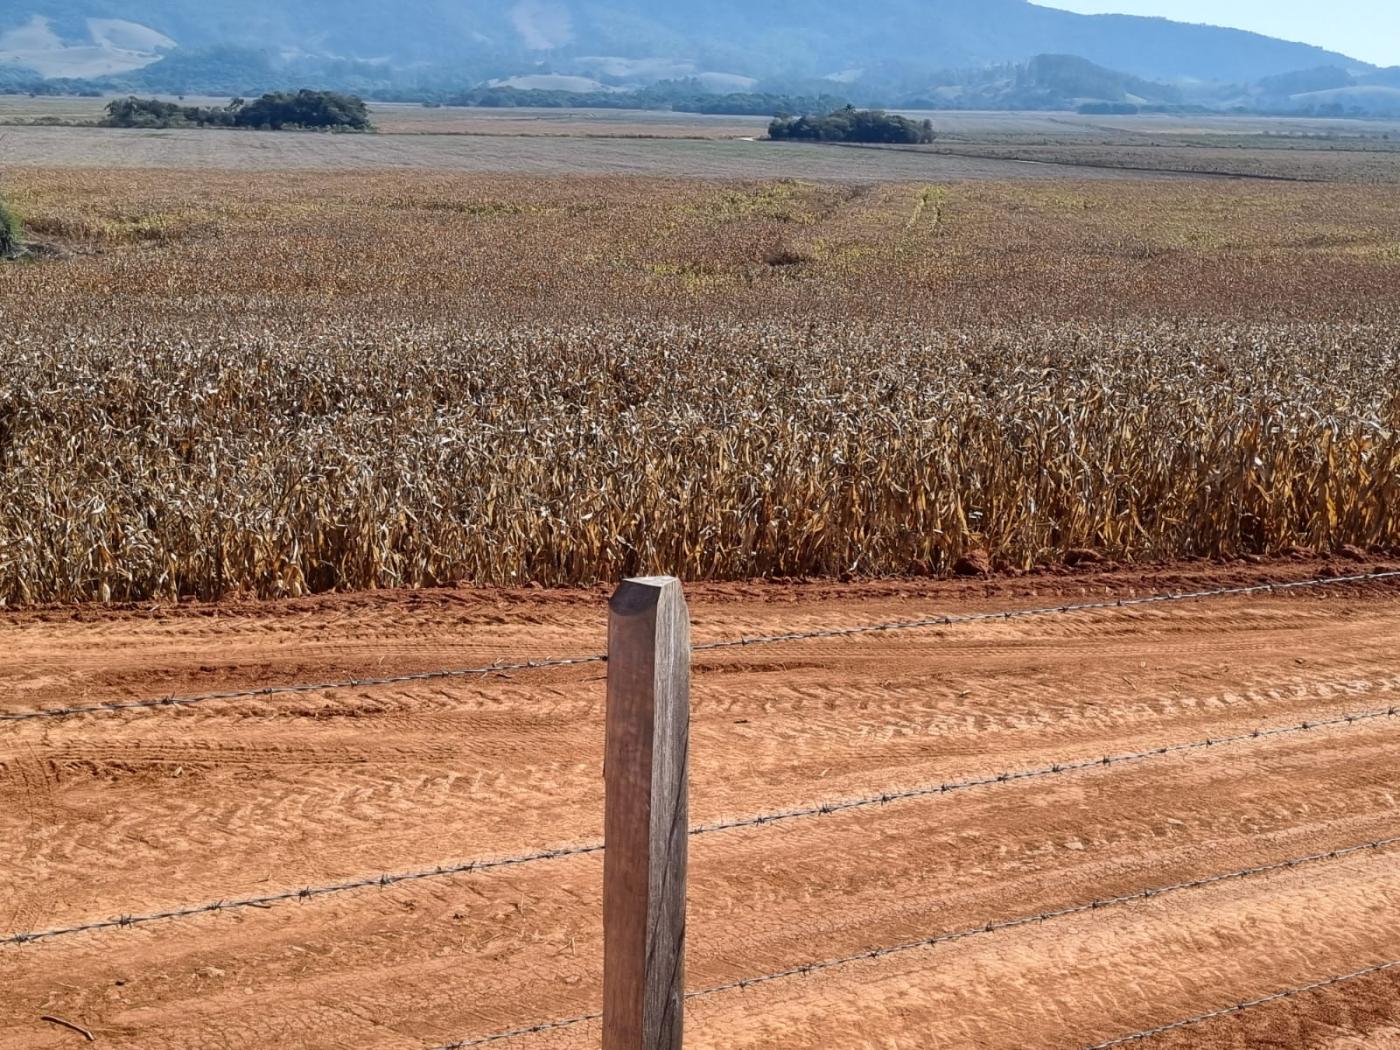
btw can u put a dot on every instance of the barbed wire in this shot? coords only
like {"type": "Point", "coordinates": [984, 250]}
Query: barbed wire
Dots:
{"type": "Point", "coordinates": [824, 809]}
{"type": "Point", "coordinates": [1045, 916]}
{"type": "Point", "coordinates": [305, 894]}
{"type": "Point", "coordinates": [1056, 769]}
{"type": "Point", "coordinates": [1048, 610]}
{"type": "Point", "coordinates": [754, 640]}
{"type": "Point", "coordinates": [1100, 904]}
{"type": "Point", "coordinates": [1291, 993]}
{"type": "Point", "coordinates": [516, 1033]}
{"type": "Point", "coordinates": [284, 690]}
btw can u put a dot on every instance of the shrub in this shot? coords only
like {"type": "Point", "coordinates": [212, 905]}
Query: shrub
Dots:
{"type": "Point", "coordinates": [11, 235]}
{"type": "Point", "coordinates": [853, 125]}
{"type": "Point", "coordinates": [304, 109]}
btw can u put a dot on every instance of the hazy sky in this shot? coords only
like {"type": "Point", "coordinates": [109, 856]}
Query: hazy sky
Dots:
{"type": "Point", "coordinates": [1365, 29]}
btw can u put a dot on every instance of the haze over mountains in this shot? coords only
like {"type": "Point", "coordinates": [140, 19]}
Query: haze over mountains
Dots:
{"type": "Point", "coordinates": [891, 47]}
{"type": "Point", "coordinates": [797, 37]}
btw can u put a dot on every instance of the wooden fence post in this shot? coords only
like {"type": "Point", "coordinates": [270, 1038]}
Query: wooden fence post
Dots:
{"type": "Point", "coordinates": [647, 819]}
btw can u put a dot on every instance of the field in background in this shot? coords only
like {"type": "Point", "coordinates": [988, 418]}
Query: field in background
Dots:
{"type": "Point", "coordinates": [330, 381]}
{"type": "Point", "coordinates": [962, 126]}
{"type": "Point", "coordinates": [602, 123]}
{"type": "Point", "coordinates": [556, 141]}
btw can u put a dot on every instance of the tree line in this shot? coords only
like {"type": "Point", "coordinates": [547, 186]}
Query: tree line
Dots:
{"type": "Point", "coordinates": [275, 111]}
{"type": "Point", "coordinates": [676, 96]}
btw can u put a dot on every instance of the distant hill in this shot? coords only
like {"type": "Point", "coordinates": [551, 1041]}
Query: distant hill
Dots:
{"type": "Point", "coordinates": [620, 42]}
{"type": "Point", "coordinates": [1361, 100]}
{"type": "Point", "coordinates": [1330, 91]}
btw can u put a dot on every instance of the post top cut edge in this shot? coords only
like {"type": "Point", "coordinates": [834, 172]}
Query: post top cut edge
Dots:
{"type": "Point", "coordinates": [643, 592]}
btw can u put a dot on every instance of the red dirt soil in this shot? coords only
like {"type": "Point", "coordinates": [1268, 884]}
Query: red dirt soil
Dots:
{"type": "Point", "coordinates": [112, 814]}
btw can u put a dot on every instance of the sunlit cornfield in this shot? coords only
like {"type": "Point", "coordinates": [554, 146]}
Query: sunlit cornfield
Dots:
{"type": "Point", "coordinates": [412, 380]}
{"type": "Point", "coordinates": [567, 456]}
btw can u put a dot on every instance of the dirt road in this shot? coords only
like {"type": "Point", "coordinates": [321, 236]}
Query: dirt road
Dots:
{"type": "Point", "coordinates": [138, 812]}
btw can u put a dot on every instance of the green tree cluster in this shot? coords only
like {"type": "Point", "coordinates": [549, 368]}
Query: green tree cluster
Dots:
{"type": "Point", "coordinates": [300, 109]}
{"type": "Point", "coordinates": [11, 235]}
{"type": "Point", "coordinates": [854, 125]}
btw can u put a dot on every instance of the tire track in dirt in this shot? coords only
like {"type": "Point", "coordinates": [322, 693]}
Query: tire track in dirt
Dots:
{"type": "Point", "coordinates": [270, 796]}
{"type": "Point", "coordinates": [35, 821]}
{"type": "Point", "coordinates": [906, 880]}
{"type": "Point", "coordinates": [307, 795]}
{"type": "Point", "coordinates": [1359, 1015]}
{"type": "Point", "coordinates": [1075, 981]}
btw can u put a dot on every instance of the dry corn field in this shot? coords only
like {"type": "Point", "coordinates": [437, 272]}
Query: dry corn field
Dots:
{"type": "Point", "coordinates": [230, 383]}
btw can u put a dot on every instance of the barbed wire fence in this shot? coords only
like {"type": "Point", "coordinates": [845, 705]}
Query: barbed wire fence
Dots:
{"type": "Point", "coordinates": [264, 692]}
{"type": "Point", "coordinates": [826, 809]}
{"type": "Point", "coordinates": [1291, 993]}
{"type": "Point", "coordinates": [486, 864]}
{"type": "Point", "coordinates": [933, 941]}
{"type": "Point", "coordinates": [1006, 615]}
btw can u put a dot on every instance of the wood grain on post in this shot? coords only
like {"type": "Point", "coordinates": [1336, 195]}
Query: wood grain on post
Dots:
{"type": "Point", "coordinates": [647, 820]}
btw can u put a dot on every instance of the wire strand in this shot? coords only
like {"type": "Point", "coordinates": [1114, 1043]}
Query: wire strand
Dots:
{"type": "Point", "coordinates": [305, 894]}
{"type": "Point", "coordinates": [825, 809]}
{"type": "Point", "coordinates": [110, 707]}
{"type": "Point", "coordinates": [1290, 993]}
{"type": "Point", "coordinates": [516, 1033]}
{"type": "Point", "coordinates": [1076, 909]}
{"type": "Point", "coordinates": [1055, 769]}
{"type": "Point", "coordinates": [1100, 904]}
{"type": "Point", "coordinates": [1048, 610]}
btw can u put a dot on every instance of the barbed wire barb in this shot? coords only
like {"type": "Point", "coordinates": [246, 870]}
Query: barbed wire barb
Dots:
{"type": "Point", "coordinates": [819, 810]}
{"type": "Point", "coordinates": [1291, 993]}
{"type": "Point", "coordinates": [869, 954]}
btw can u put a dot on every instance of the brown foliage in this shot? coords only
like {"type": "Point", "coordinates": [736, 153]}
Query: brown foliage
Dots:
{"type": "Point", "coordinates": [317, 382]}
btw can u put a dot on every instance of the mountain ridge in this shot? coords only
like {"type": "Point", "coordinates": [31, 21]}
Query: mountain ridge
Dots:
{"type": "Point", "coordinates": [881, 41]}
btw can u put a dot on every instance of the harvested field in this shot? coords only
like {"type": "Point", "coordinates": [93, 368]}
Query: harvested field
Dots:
{"type": "Point", "coordinates": [111, 815]}
{"type": "Point", "coordinates": [1377, 163]}
{"type": "Point", "coordinates": [255, 151]}
{"type": "Point", "coordinates": [359, 245]}
{"type": "Point", "coordinates": [392, 119]}
{"type": "Point", "coordinates": [972, 146]}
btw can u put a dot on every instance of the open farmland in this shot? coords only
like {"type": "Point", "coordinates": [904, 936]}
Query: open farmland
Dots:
{"type": "Point", "coordinates": [969, 126]}
{"type": "Point", "coordinates": [971, 145]}
{"type": "Point", "coordinates": [250, 407]}
{"type": "Point", "coordinates": [551, 154]}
